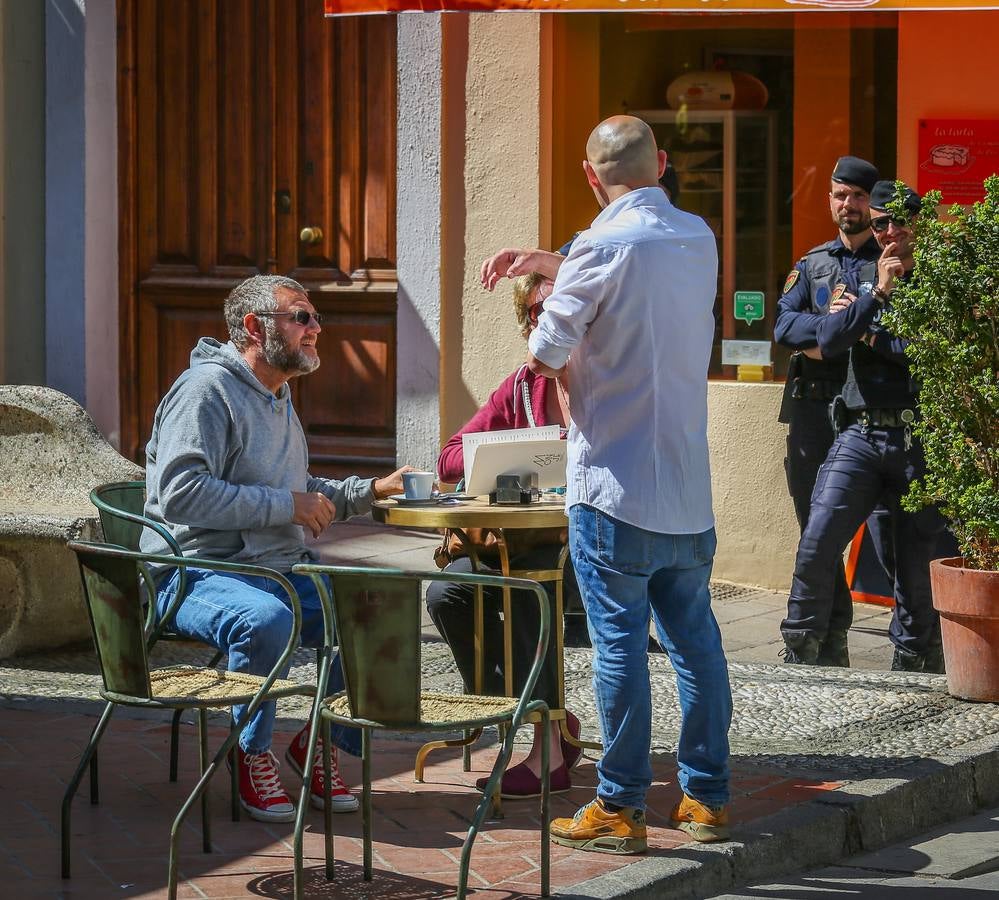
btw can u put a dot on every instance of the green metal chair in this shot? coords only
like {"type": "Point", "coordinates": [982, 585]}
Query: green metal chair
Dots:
{"type": "Point", "coordinates": [120, 505]}
{"type": "Point", "coordinates": [115, 584]}
{"type": "Point", "coordinates": [376, 615]}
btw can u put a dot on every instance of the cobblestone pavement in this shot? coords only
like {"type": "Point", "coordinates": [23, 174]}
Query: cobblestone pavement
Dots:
{"type": "Point", "coordinates": [841, 722]}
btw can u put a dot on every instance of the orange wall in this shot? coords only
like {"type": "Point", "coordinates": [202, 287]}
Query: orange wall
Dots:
{"type": "Point", "coordinates": [948, 67]}
{"type": "Point", "coordinates": [821, 129]}
{"type": "Point", "coordinates": [575, 106]}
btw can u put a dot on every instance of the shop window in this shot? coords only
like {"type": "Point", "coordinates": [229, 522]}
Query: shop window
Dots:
{"type": "Point", "coordinates": [754, 161]}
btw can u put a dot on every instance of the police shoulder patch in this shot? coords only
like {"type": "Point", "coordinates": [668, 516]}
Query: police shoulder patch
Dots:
{"type": "Point", "coordinates": [838, 291]}
{"type": "Point", "coordinates": [792, 280]}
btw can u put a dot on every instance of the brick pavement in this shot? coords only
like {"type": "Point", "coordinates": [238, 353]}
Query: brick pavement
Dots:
{"type": "Point", "coordinates": [119, 846]}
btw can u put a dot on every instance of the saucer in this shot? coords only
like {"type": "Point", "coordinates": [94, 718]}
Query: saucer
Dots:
{"type": "Point", "coordinates": [403, 500]}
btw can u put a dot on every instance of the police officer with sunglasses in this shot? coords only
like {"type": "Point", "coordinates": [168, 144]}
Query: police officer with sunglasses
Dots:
{"type": "Point", "coordinates": [874, 457]}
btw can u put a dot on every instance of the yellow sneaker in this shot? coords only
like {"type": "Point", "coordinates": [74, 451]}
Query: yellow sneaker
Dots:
{"type": "Point", "coordinates": [702, 823]}
{"type": "Point", "coordinates": [595, 828]}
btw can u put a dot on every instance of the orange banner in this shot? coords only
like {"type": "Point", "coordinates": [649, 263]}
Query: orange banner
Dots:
{"type": "Point", "coordinates": [362, 7]}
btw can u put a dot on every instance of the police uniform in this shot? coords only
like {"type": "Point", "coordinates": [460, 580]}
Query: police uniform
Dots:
{"type": "Point", "coordinates": [817, 279]}
{"type": "Point", "coordinates": [874, 458]}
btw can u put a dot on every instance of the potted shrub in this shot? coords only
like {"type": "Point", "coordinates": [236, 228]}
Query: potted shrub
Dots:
{"type": "Point", "coordinates": [949, 311]}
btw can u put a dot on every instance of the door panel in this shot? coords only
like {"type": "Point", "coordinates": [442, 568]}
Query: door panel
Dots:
{"type": "Point", "coordinates": [241, 123]}
{"type": "Point", "coordinates": [347, 405]}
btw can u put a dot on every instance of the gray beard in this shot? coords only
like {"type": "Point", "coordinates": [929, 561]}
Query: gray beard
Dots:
{"type": "Point", "coordinates": [281, 357]}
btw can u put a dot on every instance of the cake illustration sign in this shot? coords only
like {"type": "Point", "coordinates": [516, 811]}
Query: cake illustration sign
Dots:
{"type": "Point", "coordinates": [956, 156]}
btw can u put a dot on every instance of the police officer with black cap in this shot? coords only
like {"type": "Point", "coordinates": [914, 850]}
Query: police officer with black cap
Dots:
{"type": "Point", "coordinates": [848, 263]}
{"type": "Point", "coordinates": [874, 457]}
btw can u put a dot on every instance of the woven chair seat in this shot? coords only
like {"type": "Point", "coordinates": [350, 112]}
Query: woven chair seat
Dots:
{"type": "Point", "coordinates": [441, 710]}
{"type": "Point", "coordinates": [193, 686]}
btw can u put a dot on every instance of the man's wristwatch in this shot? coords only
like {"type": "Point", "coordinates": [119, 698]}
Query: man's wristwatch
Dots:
{"type": "Point", "coordinates": [881, 296]}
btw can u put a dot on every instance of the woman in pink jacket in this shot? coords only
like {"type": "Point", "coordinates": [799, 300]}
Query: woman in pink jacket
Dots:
{"type": "Point", "coordinates": [523, 400]}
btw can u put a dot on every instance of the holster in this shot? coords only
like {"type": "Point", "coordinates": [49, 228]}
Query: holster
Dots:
{"type": "Point", "coordinates": [838, 414]}
{"type": "Point", "coordinates": [795, 376]}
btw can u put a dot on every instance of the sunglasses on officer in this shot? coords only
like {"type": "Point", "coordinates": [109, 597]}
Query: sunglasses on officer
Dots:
{"type": "Point", "coordinates": [881, 223]}
{"type": "Point", "coordinates": [300, 316]}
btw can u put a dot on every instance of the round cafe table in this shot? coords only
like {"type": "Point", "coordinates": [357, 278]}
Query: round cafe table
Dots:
{"type": "Point", "coordinates": [479, 513]}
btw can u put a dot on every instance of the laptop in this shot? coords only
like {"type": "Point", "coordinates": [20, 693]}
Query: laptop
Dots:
{"type": "Point", "coordinates": [545, 457]}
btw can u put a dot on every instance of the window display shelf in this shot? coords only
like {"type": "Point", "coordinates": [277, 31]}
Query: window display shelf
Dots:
{"type": "Point", "coordinates": [726, 166]}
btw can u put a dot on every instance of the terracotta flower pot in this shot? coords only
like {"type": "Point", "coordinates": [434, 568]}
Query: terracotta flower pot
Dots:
{"type": "Point", "coordinates": [968, 603]}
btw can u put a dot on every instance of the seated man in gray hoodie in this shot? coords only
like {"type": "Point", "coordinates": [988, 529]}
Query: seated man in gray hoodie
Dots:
{"type": "Point", "coordinates": [226, 473]}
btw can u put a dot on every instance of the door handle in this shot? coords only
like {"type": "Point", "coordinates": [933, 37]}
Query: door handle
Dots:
{"type": "Point", "coordinates": [311, 234]}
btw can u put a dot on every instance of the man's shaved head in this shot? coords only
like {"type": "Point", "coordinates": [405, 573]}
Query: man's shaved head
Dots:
{"type": "Point", "coordinates": [622, 151]}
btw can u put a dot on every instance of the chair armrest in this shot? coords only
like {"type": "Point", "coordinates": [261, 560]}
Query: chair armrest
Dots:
{"type": "Point", "coordinates": [143, 560]}
{"type": "Point", "coordinates": [136, 518]}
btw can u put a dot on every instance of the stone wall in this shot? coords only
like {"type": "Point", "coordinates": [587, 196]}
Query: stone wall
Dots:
{"type": "Point", "coordinates": [51, 457]}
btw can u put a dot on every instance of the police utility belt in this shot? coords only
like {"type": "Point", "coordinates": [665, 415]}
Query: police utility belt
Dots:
{"type": "Point", "coordinates": [840, 417]}
{"type": "Point", "coordinates": [809, 389]}
{"type": "Point", "coordinates": [881, 418]}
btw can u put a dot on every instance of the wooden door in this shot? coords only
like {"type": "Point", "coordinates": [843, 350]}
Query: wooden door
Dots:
{"type": "Point", "coordinates": [241, 123]}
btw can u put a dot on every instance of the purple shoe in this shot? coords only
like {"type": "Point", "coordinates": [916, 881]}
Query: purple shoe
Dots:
{"type": "Point", "coordinates": [520, 783]}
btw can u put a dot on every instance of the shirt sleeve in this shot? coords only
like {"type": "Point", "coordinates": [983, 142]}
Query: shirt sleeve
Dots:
{"type": "Point", "coordinates": [352, 497]}
{"type": "Point", "coordinates": [890, 346]}
{"type": "Point", "coordinates": [796, 325]}
{"type": "Point", "coordinates": [839, 331]}
{"type": "Point", "coordinates": [581, 286]}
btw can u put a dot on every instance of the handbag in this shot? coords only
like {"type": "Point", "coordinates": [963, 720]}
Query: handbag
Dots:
{"type": "Point", "coordinates": [487, 542]}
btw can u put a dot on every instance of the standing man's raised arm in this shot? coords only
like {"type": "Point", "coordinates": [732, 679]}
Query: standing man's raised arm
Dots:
{"type": "Point", "coordinates": [513, 261]}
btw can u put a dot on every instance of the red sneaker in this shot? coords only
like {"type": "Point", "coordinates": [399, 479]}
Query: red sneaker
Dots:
{"type": "Point", "coordinates": [341, 799]}
{"type": "Point", "coordinates": [260, 790]}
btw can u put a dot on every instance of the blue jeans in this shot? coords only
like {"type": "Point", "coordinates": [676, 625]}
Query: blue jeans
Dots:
{"type": "Point", "coordinates": [249, 619]}
{"type": "Point", "coordinates": [624, 574]}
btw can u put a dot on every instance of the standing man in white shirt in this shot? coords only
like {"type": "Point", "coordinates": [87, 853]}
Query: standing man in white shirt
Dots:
{"type": "Point", "coordinates": [633, 304]}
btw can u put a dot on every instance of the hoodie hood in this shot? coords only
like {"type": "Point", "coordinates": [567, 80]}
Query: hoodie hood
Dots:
{"type": "Point", "coordinates": [211, 352]}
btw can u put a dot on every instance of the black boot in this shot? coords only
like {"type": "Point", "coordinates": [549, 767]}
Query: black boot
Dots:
{"type": "Point", "coordinates": [907, 661]}
{"type": "Point", "coordinates": [834, 650]}
{"type": "Point", "coordinates": [933, 660]}
{"type": "Point", "coordinates": [801, 648]}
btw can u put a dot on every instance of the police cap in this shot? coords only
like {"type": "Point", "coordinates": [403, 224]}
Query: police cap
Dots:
{"type": "Point", "coordinates": [856, 171]}
{"type": "Point", "coordinates": [884, 192]}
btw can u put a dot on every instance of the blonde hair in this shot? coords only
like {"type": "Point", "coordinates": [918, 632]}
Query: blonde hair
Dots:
{"type": "Point", "coordinates": [524, 287]}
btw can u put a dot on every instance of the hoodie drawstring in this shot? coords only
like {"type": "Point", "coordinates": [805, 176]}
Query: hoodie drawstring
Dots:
{"type": "Point", "coordinates": [287, 407]}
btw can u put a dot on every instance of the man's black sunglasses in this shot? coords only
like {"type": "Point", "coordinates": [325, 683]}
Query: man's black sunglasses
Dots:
{"type": "Point", "coordinates": [301, 316]}
{"type": "Point", "coordinates": [881, 223]}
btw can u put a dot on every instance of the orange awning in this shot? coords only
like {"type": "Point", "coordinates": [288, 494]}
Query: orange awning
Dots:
{"type": "Point", "coordinates": [360, 7]}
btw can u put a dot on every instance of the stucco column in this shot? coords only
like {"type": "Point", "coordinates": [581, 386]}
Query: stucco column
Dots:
{"type": "Point", "coordinates": [65, 155]}
{"type": "Point", "coordinates": [469, 183]}
{"type": "Point", "coordinates": [502, 194]}
{"type": "Point", "coordinates": [419, 210]}
{"type": "Point", "coordinates": [81, 202]}
{"type": "Point", "coordinates": [100, 250]}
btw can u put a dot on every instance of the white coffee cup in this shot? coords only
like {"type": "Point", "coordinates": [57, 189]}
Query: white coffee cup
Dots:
{"type": "Point", "coordinates": [418, 485]}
